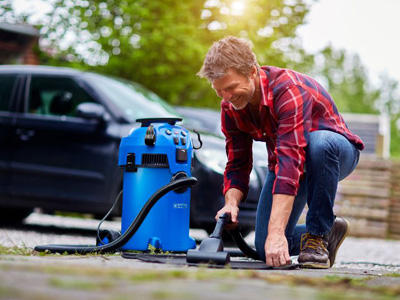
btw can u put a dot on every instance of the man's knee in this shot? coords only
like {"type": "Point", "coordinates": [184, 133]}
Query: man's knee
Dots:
{"type": "Point", "coordinates": [321, 144]}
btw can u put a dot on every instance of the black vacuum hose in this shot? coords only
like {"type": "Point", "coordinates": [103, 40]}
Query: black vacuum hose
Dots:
{"type": "Point", "coordinates": [242, 245]}
{"type": "Point", "coordinates": [123, 239]}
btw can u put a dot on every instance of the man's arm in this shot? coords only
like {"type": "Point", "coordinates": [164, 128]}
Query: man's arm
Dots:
{"type": "Point", "coordinates": [239, 165]}
{"type": "Point", "coordinates": [238, 146]}
{"type": "Point", "coordinates": [276, 246]}
{"type": "Point", "coordinates": [293, 109]}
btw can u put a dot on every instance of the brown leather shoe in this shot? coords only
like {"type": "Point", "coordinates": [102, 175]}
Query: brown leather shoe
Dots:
{"type": "Point", "coordinates": [336, 237]}
{"type": "Point", "coordinates": [313, 252]}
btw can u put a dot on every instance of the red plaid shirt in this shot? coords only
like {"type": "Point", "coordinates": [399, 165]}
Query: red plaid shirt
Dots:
{"type": "Point", "coordinates": [292, 106]}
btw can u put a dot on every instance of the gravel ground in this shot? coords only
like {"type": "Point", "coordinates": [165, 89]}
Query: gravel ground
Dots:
{"type": "Point", "coordinates": [374, 254]}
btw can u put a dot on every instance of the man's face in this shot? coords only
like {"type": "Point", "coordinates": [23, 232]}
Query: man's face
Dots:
{"type": "Point", "coordinates": [235, 88]}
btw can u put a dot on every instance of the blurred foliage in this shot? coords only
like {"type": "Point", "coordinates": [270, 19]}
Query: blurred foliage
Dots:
{"type": "Point", "coordinates": [8, 15]}
{"type": "Point", "coordinates": [395, 137]}
{"type": "Point", "coordinates": [162, 44]}
{"type": "Point", "coordinates": [346, 79]}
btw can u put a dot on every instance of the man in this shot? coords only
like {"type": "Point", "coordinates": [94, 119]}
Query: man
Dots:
{"type": "Point", "coordinates": [309, 148]}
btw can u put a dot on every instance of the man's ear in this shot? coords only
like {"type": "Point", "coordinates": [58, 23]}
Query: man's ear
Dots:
{"type": "Point", "coordinates": [254, 71]}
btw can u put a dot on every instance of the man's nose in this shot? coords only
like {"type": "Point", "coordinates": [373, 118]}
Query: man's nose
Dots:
{"type": "Point", "coordinates": [226, 95]}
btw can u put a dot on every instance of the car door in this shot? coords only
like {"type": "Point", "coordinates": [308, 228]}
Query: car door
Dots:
{"type": "Point", "coordinates": [62, 161]}
{"type": "Point", "coordinates": [8, 93]}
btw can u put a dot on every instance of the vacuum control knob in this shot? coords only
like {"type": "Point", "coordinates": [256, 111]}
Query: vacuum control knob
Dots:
{"type": "Point", "coordinates": [150, 137]}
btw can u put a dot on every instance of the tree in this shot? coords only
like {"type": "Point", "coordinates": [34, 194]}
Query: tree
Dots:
{"type": "Point", "coordinates": [347, 80]}
{"type": "Point", "coordinates": [8, 15]}
{"type": "Point", "coordinates": [161, 44]}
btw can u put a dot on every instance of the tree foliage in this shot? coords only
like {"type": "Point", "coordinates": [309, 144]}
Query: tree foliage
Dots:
{"type": "Point", "coordinates": [347, 80]}
{"type": "Point", "coordinates": [161, 44]}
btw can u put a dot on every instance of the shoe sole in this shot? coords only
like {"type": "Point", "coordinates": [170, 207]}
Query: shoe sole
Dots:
{"type": "Point", "coordinates": [340, 243]}
{"type": "Point", "coordinates": [313, 265]}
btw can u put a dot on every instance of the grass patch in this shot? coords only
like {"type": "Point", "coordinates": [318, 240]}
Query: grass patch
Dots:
{"type": "Point", "coordinates": [153, 250]}
{"type": "Point", "coordinates": [74, 215]}
{"type": "Point", "coordinates": [8, 293]}
{"type": "Point", "coordinates": [392, 275]}
{"type": "Point", "coordinates": [73, 284]}
{"type": "Point", "coordinates": [25, 251]}
{"type": "Point", "coordinates": [65, 253]}
{"type": "Point", "coordinates": [164, 294]}
{"type": "Point", "coordinates": [328, 287]}
{"type": "Point", "coordinates": [337, 287]}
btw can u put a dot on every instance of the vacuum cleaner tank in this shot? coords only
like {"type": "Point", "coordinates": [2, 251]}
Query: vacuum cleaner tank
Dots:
{"type": "Point", "coordinates": [152, 156]}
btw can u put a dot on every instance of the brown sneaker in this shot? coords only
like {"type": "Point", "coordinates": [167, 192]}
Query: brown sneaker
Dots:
{"type": "Point", "coordinates": [313, 252]}
{"type": "Point", "coordinates": [336, 237]}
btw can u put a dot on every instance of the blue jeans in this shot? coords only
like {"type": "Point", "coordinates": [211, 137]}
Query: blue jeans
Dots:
{"type": "Point", "coordinates": [330, 157]}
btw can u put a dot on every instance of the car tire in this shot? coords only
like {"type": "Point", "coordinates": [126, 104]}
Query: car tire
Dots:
{"type": "Point", "coordinates": [13, 215]}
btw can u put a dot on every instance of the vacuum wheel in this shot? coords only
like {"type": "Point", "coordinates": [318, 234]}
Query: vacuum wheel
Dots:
{"type": "Point", "coordinates": [107, 236]}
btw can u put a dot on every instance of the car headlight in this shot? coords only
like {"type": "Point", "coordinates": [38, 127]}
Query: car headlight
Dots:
{"type": "Point", "coordinates": [212, 159]}
{"type": "Point", "coordinates": [216, 161]}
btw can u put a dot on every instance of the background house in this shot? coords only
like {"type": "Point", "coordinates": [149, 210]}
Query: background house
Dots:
{"type": "Point", "coordinates": [17, 44]}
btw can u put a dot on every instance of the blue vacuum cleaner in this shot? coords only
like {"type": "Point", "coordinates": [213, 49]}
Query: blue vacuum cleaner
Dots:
{"type": "Point", "coordinates": [157, 159]}
{"type": "Point", "coordinates": [163, 157]}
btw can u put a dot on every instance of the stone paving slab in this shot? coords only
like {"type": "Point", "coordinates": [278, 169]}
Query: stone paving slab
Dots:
{"type": "Point", "coordinates": [112, 277]}
{"type": "Point", "coordinates": [365, 269]}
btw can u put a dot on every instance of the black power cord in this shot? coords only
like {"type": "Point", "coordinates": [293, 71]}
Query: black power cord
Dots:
{"type": "Point", "coordinates": [123, 239]}
{"type": "Point", "coordinates": [106, 216]}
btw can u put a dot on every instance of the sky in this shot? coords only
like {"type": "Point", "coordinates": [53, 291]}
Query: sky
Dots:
{"type": "Point", "coordinates": [366, 27]}
{"type": "Point", "coordinates": [369, 28]}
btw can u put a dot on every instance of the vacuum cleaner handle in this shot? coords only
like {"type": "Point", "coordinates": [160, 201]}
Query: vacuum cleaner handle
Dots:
{"type": "Point", "coordinates": [223, 219]}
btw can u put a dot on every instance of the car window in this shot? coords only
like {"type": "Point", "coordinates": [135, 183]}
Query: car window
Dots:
{"type": "Point", "coordinates": [132, 99]}
{"type": "Point", "coordinates": [55, 96]}
{"type": "Point", "coordinates": [7, 83]}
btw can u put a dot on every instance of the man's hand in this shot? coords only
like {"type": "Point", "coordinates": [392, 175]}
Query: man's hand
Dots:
{"type": "Point", "coordinates": [276, 250]}
{"type": "Point", "coordinates": [232, 200]}
{"type": "Point", "coordinates": [234, 211]}
{"type": "Point", "coordinates": [276, 245]}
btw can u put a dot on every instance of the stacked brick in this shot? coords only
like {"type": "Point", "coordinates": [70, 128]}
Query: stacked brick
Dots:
{"type": "Point", "coordinates": [394, 213]}
{"type": "Point", "coordinates": [364, 198]}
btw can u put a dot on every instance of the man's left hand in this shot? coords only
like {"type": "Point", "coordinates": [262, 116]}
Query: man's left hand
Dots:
{"type": "Point", "coordinates": [276, 250]}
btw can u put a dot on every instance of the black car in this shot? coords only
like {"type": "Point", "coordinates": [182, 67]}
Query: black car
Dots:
{"type": "Point", "coordinates": [60, 131]}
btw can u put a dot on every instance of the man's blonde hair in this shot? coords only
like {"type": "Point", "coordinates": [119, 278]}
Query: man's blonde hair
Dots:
{"type": "Point", "coordinates": [229, 52]}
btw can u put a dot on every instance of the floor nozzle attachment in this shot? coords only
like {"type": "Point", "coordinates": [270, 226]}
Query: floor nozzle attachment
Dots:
{"type": "Point", "coordinates": [211, 249]}
{"type": "Point", "coordinates": [216, 258]}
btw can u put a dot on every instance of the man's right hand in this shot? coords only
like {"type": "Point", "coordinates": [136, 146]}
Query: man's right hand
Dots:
{"type": "Point", "coordinates": [232, 201]}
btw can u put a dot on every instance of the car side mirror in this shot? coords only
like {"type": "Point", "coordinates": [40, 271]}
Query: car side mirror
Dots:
{"type": "Point", "coordinates": [89, 110]}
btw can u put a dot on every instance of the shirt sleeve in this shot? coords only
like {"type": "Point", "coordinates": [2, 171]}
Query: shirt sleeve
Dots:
{"type": "Point", "coordinates": [293, 109]}
{"type": "Point", "coordinates": [239, 153]}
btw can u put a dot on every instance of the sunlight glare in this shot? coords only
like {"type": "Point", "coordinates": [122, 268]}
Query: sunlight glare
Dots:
{"type": "Point", "coordinates": [237, 7]}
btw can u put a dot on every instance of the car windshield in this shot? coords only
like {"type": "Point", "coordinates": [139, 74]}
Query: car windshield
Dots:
{"type": "Point", "coordinates": [134, 100]}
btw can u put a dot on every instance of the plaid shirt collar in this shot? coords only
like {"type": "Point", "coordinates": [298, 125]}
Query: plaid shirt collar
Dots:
{"type": "Point", "coordinates": [264, 87]}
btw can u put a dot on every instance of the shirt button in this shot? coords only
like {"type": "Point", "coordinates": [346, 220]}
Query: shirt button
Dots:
{"type": "Point", "coordinates": [264, 133]}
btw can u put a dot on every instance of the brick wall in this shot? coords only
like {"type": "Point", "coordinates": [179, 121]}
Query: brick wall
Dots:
{"type": "Point", "coordinates": [364, 198]}
{"type": "Point", "coordinates": [394, 212]}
